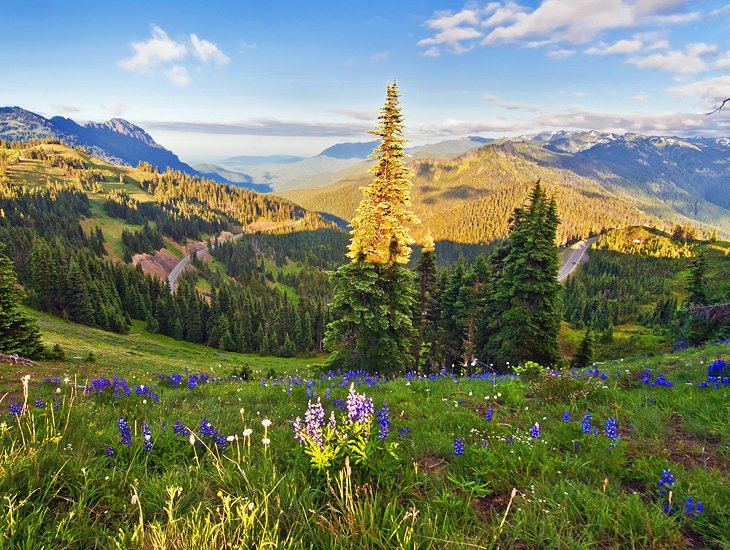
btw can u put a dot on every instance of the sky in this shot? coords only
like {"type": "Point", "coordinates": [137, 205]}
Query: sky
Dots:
{"type": "Point", "coordinates": [215, 79]}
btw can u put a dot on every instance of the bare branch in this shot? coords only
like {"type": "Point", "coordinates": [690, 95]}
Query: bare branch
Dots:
{"type": "Point", "coordinates": [720, 107]}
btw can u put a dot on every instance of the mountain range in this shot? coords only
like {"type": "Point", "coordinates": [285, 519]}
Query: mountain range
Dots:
{"type": "Point", "coordinates": [600, 180]}
{"type": "Point", "coordinates": [116, 140]}
{"type": "Point", "coordinates": [459, 184]}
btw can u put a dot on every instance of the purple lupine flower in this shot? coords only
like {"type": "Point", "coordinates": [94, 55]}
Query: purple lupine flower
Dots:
{"type": "Point", "coordinates": [488, 415]}
{"type": "Point", "coordinates": [360, 407]}
{"type": "Point", "coordinates": [383, 422]}
{"type": "Point", "coordinates": [39, 404]}
{"type": "Point", "coordinates": [109, 450]}
{"type": "Point", "coordinates": [147, 433]}
{"type": "Point", "coordinates": [692, 508]}
{"type": "Point", "coordinates": [125, 432]}
{"type": "Point", "coordinates": [458, 447]}
{"type": "Point", "coordinates": [193, 381]}
{"type": "Point", "coordinates": [535, 431]}
{"type": "Point", "coordinates": [311, 430]}
{"type": "Point", "coordinates": [566, 417]}
{"type": "Point", "coordinates": [16, 409]}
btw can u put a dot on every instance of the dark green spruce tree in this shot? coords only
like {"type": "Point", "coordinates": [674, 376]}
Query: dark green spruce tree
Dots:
{"type": "Point", "coordinates": [18, 333]}
{"type": "Point", "coordinates": [524, 310]}
{"type": "Point", "coordinates": [696, 285]}
{"type": "Point", "coordinates": [374, 295]}
{"type": "Point", "coordinates": [584, 355]}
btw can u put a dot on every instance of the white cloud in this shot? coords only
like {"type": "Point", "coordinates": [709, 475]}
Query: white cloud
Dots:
{"type": "Point", "coordinates": [710, 91]}
{"type": "Point", "coordinates": [115, 109]}
{"type": "Point", "coordinates": [511, 105]}
{"type": "Point", "coordinates": [689, 61]}
{"type": "Point", "coordinates": [207, 51]}
{"type": "Point", "coordinates": [162, 53]}
{"type": "Point", "coordinates": [641, 97]}
{"type": "Point", "coordinates": [178, 76]}
{"type": "Point", "coordinates": [446, 20]}
{"type": "Point", "coordinates": [619, 48]}
{"type": "Point", "coordinates": [658, 45]}
{"type": "Point", "coordinates": [724, 61]}
{"type": "Point", "coordinates": [566, 22]}
{"type": "Point", "coordinates": [380, 56]}
{"type": "Point", "coordinates": [560, 55]}
{"type": "Point", "coordinates": [155, 51]}
{"type": "Point", "coordinates": [452, 39]}
{"type": "Point", "coordinates": [66, 108]}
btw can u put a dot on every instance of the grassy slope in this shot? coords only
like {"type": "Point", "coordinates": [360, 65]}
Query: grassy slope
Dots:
{"type": "Point", "coordinates": [572, 490]}
{"type": "Point", "coordinates": [138, 354]}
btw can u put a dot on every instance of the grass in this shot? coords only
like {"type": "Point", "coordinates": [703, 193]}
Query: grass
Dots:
{"type": "Point", "coordinates": [565, 489]}
{"type": "Point", "coordinates": [139, 354]}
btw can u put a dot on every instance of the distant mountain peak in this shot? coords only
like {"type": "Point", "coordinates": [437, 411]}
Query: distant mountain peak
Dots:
{"type": "Point", "coordinates": [124, 127]}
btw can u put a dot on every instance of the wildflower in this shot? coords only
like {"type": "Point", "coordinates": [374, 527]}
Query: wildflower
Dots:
{"type": "Point", "coordinates": [566, 417]}
{"type": "Point", "coordinates": [266, 422]}
{"type": "Point", "coordinates": [147, 432]}
{"type": "Point", "coordinates": [193, 382]}
{"type": "Point", "coordinates": [39, 404]}
{"type": "Point", "coordinates": [586, 426]}
{"type": "Point", "coordinates": [458, 447]}
{"type": "Point", "coordinates": [265, 441]}
{"type": "Point", "coordinates": [383, 422]}
{"type": "Point", "coordinates": [488, 415]}
{"type": "Point", "coordinates": [612, 430]}
{"type": "Point", "coordinates": [247, 432]}
{"type": "Point", "coordinates": [109, 450]}
{"type": "Point", "coordinates": [359, 406]}
{"type": "Point", "coordinates": [691, 508]}
{"type": "Point", "coordinates": [535, 431]}
{"type": "Point", "coordinates": [666, 481]}
{"type": "Point", "coordinates": [179, 429]}
{"type": "Point", "coordinates": [125, 432]}
{"type": "Point", "coordinates": [16, 409]}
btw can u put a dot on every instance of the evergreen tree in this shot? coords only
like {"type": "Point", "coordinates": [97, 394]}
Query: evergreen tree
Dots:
{"type": "Point", "coordinates": [525, 311]}
{"type": "Point", "coordinates": [374, 295]}
{"type": "Point", "coordinates": [584, 355]}
{"type": "Point", "coordinates": [426, 313]}
{"type": "Point", "coordinates": [18, 333]}
{"type": "Point", "coordinates": [696, 284]}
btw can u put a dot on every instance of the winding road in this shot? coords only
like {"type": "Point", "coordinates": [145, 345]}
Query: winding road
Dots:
{"type": "Point", "coordinates": [573, 256]}
{"type": "Point", "coordinates": [182, 264]}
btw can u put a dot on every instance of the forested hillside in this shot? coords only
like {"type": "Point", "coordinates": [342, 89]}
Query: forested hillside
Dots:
{"type": "Point", "coordinates": [469, 199]}
{"type": "Point", "coordinates": [70, 223]}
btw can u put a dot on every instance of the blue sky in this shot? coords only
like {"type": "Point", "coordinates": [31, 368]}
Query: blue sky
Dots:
{"type": "Point", "coordinates": [217, 79]}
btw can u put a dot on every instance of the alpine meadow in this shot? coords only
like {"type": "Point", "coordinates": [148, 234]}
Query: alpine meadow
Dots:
{"type": "Point", "coordinates": [493, 313]}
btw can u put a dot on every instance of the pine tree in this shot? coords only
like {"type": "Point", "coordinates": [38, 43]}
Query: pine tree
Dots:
{"type": "Point", "coordinates": [525, 309]}
{"type": "Point", "coordinates": [426, 312]}
{"type": "Point", "coordinates": [584, 355]}
{"type": "Point", "coordinates": [696, 284]}
{"type": "Point", "coordinates": [18, 333]}
{"type": "Point", "coordinates": [374, 295]}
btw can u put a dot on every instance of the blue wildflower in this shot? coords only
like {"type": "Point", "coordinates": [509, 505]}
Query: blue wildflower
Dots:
{"type": "Point", "coordinates": [666, 481]}
{"type": "Point", "coordinates": [566, 417]}
{"type": "Point", "coordinates": [147, 432]}
{"type": "Point", "coordinates": [125, 432]}
{"type": "Point", "coordinates": [109, 450]}
{"type": "Point", "coordinates": [612, 430]}
{"type": "Point", "coordinates": [383, 421]}
{"type": "Point", "coordinates": [458, 447]}
{"type": "Point", "coordinates": [586, 426]}
{"type": "Point", "coordinates": [488, 415]}
{"type": "Point", "coordinates": [39, 404]}
{"type": "Point", "coordinates": [535, 431]}
{"type": "Point", "coordinates": [16, 409]}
